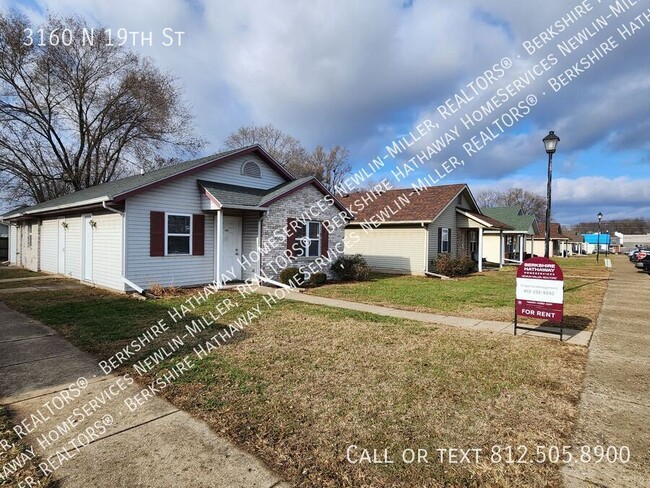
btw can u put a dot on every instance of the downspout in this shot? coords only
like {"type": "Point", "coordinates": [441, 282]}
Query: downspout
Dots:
{"type": "Point", "coordinates": [426, 247]}
{"type": "Point", "coordinates": [125, 280]}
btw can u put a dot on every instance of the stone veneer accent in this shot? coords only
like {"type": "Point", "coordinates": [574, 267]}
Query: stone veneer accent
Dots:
{"type": "Point", "coordinates": [294, 205]}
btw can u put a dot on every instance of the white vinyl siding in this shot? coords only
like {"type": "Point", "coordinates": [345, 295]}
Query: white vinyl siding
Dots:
{"type": "Point", "coordinates": [394, 249]}
{"type": "Point", "coordinates": [73, 247]}
{"type": "Point", "coordinates": [107, 251]}
{"type": "Point", "coordinates": [13, 240]}
{"type": "Point", "coordinates": [182, 196]}
{"type": "Point", "coordinates": [230, 172]}
{"type": "Point", "coordinates": [49, 245]}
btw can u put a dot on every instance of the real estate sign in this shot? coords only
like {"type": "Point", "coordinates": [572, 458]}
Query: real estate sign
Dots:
{"type": "Point", "coordinates": [540, 290]}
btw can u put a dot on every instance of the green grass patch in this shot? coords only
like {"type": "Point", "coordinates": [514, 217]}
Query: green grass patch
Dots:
{"type": "Point", "coordinates": [489, 295]}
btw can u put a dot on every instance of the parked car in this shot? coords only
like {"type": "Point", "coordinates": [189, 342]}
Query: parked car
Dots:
{"type": "Point", "coordinates": [645, 263]}
{"type": "Point", "coordinates": [639, 254]}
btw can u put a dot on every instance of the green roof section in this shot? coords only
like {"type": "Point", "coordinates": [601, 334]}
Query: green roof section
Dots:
{"type": "Point", "coordinates": [511, 216]}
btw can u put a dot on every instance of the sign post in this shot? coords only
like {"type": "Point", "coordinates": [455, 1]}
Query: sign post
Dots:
{"type": "Point", "coordinates": [540, 293]}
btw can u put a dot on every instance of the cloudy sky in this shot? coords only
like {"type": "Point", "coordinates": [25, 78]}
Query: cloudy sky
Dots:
{"type": "Point", "coordinates": [366, 73]}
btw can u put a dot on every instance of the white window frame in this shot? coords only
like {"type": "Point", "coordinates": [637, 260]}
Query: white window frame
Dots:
{"type": "Point", "coordinates": [443, 240]}
{"type": "Point", "coordinates": [30, 234]}
{"type": "Point", "coordinates": [306, 240]}
{"type": "Point", "coordinates": [473, 244]}
{"type": "Point", "coordinates": [167, 234]}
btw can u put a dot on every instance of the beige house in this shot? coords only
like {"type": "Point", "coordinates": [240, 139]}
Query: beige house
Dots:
{"type": "Point", "coordinates": [403, 231]}
{"type": "Point", "coordinates": [509, 246]}
{"type": "Point", "coordinates": [559, 243]}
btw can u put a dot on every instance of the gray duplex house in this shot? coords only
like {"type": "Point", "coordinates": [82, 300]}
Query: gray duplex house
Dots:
{"type": "Point", "coordinates": [232, 216]}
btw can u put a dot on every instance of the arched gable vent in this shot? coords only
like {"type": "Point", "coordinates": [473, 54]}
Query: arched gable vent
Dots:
{"type": "Point", "coordinates": [251, 168]}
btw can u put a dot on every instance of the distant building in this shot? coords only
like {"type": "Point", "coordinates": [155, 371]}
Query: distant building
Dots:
{"type": "Point", "coordinates": [630, 241]}
{"type": "Point", "coordinates": [595, 240]}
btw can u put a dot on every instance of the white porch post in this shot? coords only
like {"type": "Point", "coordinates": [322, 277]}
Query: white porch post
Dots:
{"type": "Point", "coordinates": [480, 249]}
{"type": "Point", "coordinates": [218, 231]}
{"type": "Point", "coordinates": [502, 248]}
{"type": "Point", "coordinates": [522, 247]}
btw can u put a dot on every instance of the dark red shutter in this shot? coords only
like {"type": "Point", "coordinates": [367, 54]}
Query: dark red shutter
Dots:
{"type": "Point", "coordinates": [324, 239]}
{"type": "Point", "coordinates": [439, 240]}
{"type": "Point", "coordinates": [291, 236]}
{"type": "Point", "coordinates": [156, 233]}
{"type": "Point", "coordinates": [198, 234]}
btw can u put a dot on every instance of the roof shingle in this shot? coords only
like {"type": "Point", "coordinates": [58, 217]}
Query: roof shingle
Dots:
{"type": "Point", "coordinates": [422, 206]}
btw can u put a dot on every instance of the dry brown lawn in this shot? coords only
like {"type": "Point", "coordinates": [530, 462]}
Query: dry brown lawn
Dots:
{"type": "Point", "coordinates": [307, 382]}
{"type": "Point", "coordinates": [303, 383]}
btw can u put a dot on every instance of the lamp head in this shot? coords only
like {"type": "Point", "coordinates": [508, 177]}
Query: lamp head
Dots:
{"type": "Point", "coordinates": [550, 142]}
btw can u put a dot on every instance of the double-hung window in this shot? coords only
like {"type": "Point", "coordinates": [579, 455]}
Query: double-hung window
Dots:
{"type": "Point", "coordinates": [444, 239]}
{"type": "Point", "coordinates": [309, 238]}
{"type": "Point", "coordinates": [29, 234]}
{"type": "Point", "coordinates": [473, 241]}
{"type": "Point", "coordinates": [178, 232]}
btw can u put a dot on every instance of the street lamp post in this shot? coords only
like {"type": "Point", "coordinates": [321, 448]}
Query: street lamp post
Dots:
{"type": "Point", "coordinates": [600, 217]}
{"type": "Point", "coordinates": [550, 144]}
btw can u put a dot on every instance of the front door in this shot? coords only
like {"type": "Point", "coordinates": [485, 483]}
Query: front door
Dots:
{"type": "Point", "coordinates": [232, 244]}
{"type": "Point", "coordinates": [60, 266]}
{"type": "Point", "coordinates": [87, 248]}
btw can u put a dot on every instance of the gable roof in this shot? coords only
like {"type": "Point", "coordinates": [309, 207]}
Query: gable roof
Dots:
{"type": "Point", "coordinates": [556, 231]}
{"type": "Point", "coordinates": [235, 196]}
{"type": "Point", "coordinates": [573, 236]}
{"type": "Point", "coordinates": [512, 216]}
{"type": "Point", "coordinates": [484, 220]}
{"type": "Point", "coordinates": [118, 190]}
{"type": "Point", "coordinates": [423, 206]}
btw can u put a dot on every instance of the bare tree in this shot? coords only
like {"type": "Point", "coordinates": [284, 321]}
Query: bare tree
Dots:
{"type": "Point", "coordinates": [530, 203]}
{"type": "Point", "coordinates": [328, 165]}
{"type": "Point", "coordinates": [74, 114]}
{"type": "Point", "coordinates": [285, 149]}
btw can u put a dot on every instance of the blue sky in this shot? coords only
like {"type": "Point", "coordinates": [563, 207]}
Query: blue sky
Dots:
{"type": "Point", "coordinates": [364, 73]}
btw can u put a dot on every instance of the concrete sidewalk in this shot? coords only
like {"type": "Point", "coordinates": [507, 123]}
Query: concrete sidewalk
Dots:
{"type": "Point", "coordinates": [615, 402]}
{"type": "Point", "coordinates": [571, 336]}
{"type": "Point", "coordinates": [156, 445]}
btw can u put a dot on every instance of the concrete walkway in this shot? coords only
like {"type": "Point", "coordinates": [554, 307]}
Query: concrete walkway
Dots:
{"type": "Point", "coordinates": [571, 336]}
{"type": "Point", "coordinates": [31, 278]}
{"type": "Point", "coordinates": [615, 402]}
{"type": "Point", "coordinates": [90, 437]}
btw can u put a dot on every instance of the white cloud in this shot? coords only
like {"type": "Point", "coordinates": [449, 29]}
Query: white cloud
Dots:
{"type": "Point", "coordinates": [359, 73]}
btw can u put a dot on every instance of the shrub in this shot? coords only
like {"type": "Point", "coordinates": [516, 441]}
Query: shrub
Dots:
{"type": "Point", "coordinates": [161, 291]}
{"type": "Point", "coordinates": [318, 279]}
{"type": "Point", "coordinates": [447, 265]}
{"type": "Point", "coordinates": [292, 276]}
{"type": "Point", "coordinates": [351, 268]}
